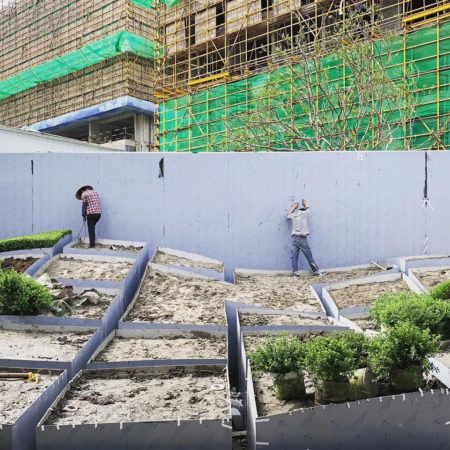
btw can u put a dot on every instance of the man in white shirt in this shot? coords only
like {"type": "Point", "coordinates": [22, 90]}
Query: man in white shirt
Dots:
{"type": "Point", "coordinates": [300, 231]}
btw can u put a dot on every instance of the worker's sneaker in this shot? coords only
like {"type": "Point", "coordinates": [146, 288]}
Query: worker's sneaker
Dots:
{"type": "Point", "coordinates": [295, 274]}
{"type": "Point", "coordinates": [320, 273]}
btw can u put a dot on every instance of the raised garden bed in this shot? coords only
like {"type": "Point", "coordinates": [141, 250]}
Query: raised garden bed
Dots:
{"type": "Point", "coordinates": [104, 271]}
{"type": "Point", "coordinates": [190, 262]}
{"type": "Point", "coordinates": [430, 277]}
{"type": "Point", "coordinates": [251, 318]}
{"type": "Point", "coordinates": [355, 297]}
{"type": "Point", "coordinates": [149, 407]}
{"type": "Point", "coordinates": [282, 290]}
{"type": "Point", "coordinates": [17, 263]}
{"type": "Point", "coordinates": [172, 296]}
{"type": "Point", "coordinates": [23, 403]}
{"type": "Point", "coordinates": [125, 345]}
{"type": "Point", "coordinates": [35, 344]}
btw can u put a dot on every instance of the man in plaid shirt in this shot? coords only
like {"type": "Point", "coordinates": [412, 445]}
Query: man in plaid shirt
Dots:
{"type": "Point", "coordinates": [91, 210]}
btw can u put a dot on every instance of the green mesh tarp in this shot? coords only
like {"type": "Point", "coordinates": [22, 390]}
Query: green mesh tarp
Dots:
{"type": "Point", "coordinates": [86, 56]}
{"type": "Point", "coordinates": [151, 3]}
{"type": "Point", "coordinates": [200, 122]}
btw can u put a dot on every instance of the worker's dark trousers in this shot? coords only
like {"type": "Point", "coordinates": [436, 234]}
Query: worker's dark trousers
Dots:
{"type": "Point", "coordinates": [301, 244]}
{"type": "Point", "coordinates": [92, 220]}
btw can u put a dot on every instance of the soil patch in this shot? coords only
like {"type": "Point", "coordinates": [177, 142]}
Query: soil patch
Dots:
{"type": "Point", "coordinates": [72, 268]}
{"type": "Point", "coordinates": [174, 260]}
{"type": "Point", "coordinates": [36, 344]}
{"type": "Point", "coordinates": [290, 292]}
{"type": "Point", "coordinates": [18, 264]}
{"type": "Point", "coordinates": [173, 298]}
{"type": "Point", "coordinates": [168, 347]}
{"type": "Point", "coordinates": [366, 323]}
{"type": "Point", "coordinates": [17, 395]}
{"type": "Point", "coordinates": [431, 278]}
{"type": "Point", "coordinates": [115, 247]}
{"type": "Point", "coordinates": [251, 319]}
{"type": "Point", "coordinates": [365, 294]}
{"type": "Point", "coordinates": [123, 397]}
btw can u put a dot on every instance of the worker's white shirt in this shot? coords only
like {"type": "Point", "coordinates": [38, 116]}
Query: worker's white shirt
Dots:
{"type": "Point", "coordinates": [299, 222]}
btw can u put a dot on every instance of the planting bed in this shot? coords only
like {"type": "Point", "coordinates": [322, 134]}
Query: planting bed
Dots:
{"type": "Point", "coordinates": [19, 264]}
{"type": "Point", "coordinates": [144, 395]}
{"type": "Point", "coordinates": [116, 247]}
{"type": "Point", "coordinates": [247, 318]}
{"type": "Point", "coordinates": [175, 298]}
{"type": "Point", "coordinates": [16, 395]}
{"type": "Point", "coordinates": [85, 269]}
{"type": "Point", "coordinates": [76, 302]}
{"type": "Point", "coordinates": [430, 277]}
{"type": "Point", "coordinates": [41, 345]}
{"type": "Point", "coordinates": [177, 258]}
{"type": "Point", "coordinates": [365, 294]}
{"type": "Point", "coordinates": [365, 323]}
{"type": "Point", "coordinates": [189, 345]}
{"type": "Point", "coordinates": [284, 291]}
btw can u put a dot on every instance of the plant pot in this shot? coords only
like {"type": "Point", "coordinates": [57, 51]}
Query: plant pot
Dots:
{"type": "Point", "coordinates": [363, 384]}
{"type": "Point", "coordinates": [405, 380]}
{"type": "Point", "coordinates": [289, 386]}
{"type": "Point", "coordinates": [332, 392]}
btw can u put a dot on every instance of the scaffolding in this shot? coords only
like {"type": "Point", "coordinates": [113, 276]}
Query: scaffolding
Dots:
{"type": "Point", "coordinates": [60, 56]}
{"type": "Point", "coordinates": [218, 52]}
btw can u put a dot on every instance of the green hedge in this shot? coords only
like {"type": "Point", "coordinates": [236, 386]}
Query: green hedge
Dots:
{"type": "Point", "coordinates": [40, 240]}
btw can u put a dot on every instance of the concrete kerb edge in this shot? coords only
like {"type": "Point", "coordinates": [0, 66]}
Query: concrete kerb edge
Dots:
{"type": "Point", "coordinates": [168, 331]}
{"type": "Point", "coordinates": [114, 435]}
{"type": "Point", "coordinates": [413, 274]}
{"type": "Point", "coordinates": [22, 432]}
{"type": "Point", "coordinates": [408, 262]}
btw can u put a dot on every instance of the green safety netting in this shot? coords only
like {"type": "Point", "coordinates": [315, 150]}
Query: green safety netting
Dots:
{"type": "Point", "coordinates": [150, 3]}
{"type": "Point", "coordinates": [86, 56]}
{"type": "Point", "coordinates": [200, 122]}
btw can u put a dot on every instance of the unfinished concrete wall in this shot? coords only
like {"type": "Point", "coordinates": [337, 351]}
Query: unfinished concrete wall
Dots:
{"type": "Point", "coordinates": [364, 206]}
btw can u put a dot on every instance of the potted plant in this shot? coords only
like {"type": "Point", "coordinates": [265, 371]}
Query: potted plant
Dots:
{"type": "Point", "coordinates": [422, 310]}
{"type": "Point", "coordinates": [401, 355]}
{"type": "Point", "coordinates": [282, 357]}
{"type": "Point", "coordinates": [331, 360]}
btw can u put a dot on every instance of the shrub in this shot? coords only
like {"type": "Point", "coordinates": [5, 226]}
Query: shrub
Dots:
{"type": "Point", "coordinates": [335, 356]}
{"type": "Point", "coordinates": [401, 347]}
{"type": "Point", "coordinates": [20, 294]}
{"type": "Point", "coordinates": [279, 355]}
{"type": "Point", "coordinates": [40, 240]}
{"type": "Point", "coordinates": [420, 310]}
{"type": "Point", "coordinates": [441, 291]}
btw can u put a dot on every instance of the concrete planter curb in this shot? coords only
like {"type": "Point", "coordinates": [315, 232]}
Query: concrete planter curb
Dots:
{"type": "Point", "coordinates": [53, 324]}
{"type": "Point", "coordinates": [413, 420]}
{"type": "Point", "coordinates": [156, 332]}
{"type": "Point", "coordinates": [43, 258]}
{"type": "Point", "coordinates": [212, 268]}
{"type": "Point", "coordinates": [141, 256]}
{"type": "Point", "coordinates": [407, 262]}
{"type": "Point", "coordinates": [173, 434]}
{"type": "Point", "coordinates": [51, 251]}
{"type": "Point", "coordinates": [21, 434]}
{"type": "Point", "coordinates": [359, 311]}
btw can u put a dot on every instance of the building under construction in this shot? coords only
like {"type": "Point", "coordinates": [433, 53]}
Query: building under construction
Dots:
{"type": "Point", "coordinates": [172, 75]}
